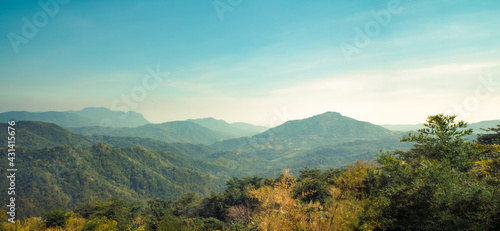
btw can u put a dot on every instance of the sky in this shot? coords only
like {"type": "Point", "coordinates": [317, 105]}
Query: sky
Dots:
{"type": "Point", "coordinates": [261, 62]}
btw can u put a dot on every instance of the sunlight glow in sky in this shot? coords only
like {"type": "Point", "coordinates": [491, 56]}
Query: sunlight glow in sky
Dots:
{"type": "Point", "coordinates": [261, 62]}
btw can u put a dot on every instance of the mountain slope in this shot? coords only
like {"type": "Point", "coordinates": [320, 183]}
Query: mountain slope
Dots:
{"type": "Point", "coordinates": [328, 125]}
{"type": "Point", "coordinates": [65, 176]}
{"type": "Point", "coordinates": [325, 129]}
{"type": "Point", "coordinates": [233, 130]}
{"type": "Point", "coordinates": [177, 131]}
{"type": "Point", "coordinates": [477, 127]}
{"type": "Point", "coordinates": [329, 140]}
{"type": "Point", "coordinates": [105, 117]}
{"type": "Point", "coordinates": [34, 134]}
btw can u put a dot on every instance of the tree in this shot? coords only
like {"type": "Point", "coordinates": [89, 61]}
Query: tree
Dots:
{"type": "Point", "coordinates": [157, 209]}
{"type": "Point", "coordinates": [441, 140]}
{"type": "Point", "coordinates": [431, 186]}
{"type": "Point", "coordinates": [55, 218]}
{"type": "Point", "coordinates": [490, 138]}
{"type": "Point", "coordinates": [239, 213]}
{"type": "Point", "coordinates": [115, 209]}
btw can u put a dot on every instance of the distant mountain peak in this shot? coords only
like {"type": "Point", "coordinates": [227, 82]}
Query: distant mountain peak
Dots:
{"type": "Point", "coordinates": [208, 119]}
{"type": "Point", "coordinates": [96, 109]}
{"type": "Point", "coordinates": [329, 114]}
{"type": "Point", "coordinates": [328, 125]}
{"type": "Point", "coordinates": [323, 116]}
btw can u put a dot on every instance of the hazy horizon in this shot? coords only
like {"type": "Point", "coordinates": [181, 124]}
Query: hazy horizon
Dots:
{"type": "Point", "coordinates": [258, 62]}
{"type": "Point", "coordinates": [277, 120]}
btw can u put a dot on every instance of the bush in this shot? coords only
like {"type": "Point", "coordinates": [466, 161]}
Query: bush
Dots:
{"type": "Point", "coordinates": [55, 218]}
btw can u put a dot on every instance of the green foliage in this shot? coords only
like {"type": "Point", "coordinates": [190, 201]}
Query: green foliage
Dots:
{"type": "Point", "coordinates": [65, 176]}
{"type": "Point", "coordinates": [233, 205]}
{"type": "Point", "coordinates": [33, 134]}
{"type": "Point", "coordinates": [236, 193]}
{"type": "Point", "coordinates": [55, 218]}
{"type": "Point", "coordinates": [432, 186]}
{"type": "Point", "coordinates": [156, 211]}
{"type": "Point", "coordinates": [441, 140]}
{"type": "Point", "coordinates": [186, 206]}
{"type": "Point", "coordinates": [114, 209]}
{"type": "Point", "coordinates": [445, 182]}
{"type": "Point", "coordinates": [490, 138]}
{"type": "Point", "coordinates": [312, 184]}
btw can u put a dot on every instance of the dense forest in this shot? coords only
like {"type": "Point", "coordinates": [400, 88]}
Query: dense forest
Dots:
{"type": "Point", "coordinates": [444, 182]}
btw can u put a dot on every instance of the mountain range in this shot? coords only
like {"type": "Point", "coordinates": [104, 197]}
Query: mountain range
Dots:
{"type": "Point", "coordinates": [94, 121]}
{"type": "Point", "coordinates": [90, 116]}
{"type": "Point", "coordinates": [201, 131]}
{"type": "Point", "coordinates": [476, 127]}
{"type": "Point", "coordinates": [65, 166]}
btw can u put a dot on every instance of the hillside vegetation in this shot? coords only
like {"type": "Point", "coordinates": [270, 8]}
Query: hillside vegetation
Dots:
{"type": "Point", "coordinates": [441, 182]}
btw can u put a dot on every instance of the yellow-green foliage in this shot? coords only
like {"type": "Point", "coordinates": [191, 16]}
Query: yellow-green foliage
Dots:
{"type": "Point", "coordinates": [490, 166]}
{"type": "Point", "coordinates": [74, 223]}
{"type": "Point", "coordinates": [351, 182]}
{"type": "Point", "coordinates": [280, 211]}
{"type": "Point", "coordinates": [101, 224]}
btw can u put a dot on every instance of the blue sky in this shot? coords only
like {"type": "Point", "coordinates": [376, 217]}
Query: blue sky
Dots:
{"type": "Point", "coordinates": [262, 62]}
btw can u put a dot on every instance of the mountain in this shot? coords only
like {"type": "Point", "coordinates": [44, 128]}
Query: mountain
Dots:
{"type": "Point", "coordinates": [90, 116]}
{"type": "Point", "coordinates": [325, 141]}
{"type": "Point", "coordinates": [36, 135]}
{"type": "Point", "coordinates": [194, 131]}
{"type": "Point", "coordinates": [177, 131]}
{"type": "Point", "coordinates": [233, 130]}
{"type": "Point", "coordinates": [329, 125]}
{"type": "Point", "coordinates": [476, 127]}
{"type": "Point", "coordinates": [106, 117]}
{"type": "Point", "coordinates": [60, 169]}
{"type": "Point", "coordinates": [403, 127]}
{"type": "Point", "coordinates": [325, 129]}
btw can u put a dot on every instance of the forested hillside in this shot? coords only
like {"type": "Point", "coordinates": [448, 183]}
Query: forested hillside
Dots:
{"type": "Point", "coordinates": [65, 176]}
{"type": "Point", "coordinates": [444, 182]}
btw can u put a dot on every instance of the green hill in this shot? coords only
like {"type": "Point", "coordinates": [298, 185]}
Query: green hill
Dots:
{"type": "Point", "coordinates": [325, 129]}
{"type": "Point", "coordinates": [325, 141]}
{"type": "Point", "coordinates": [33, 134]}
{"type": "Point", "coordinates": [66, 176]}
